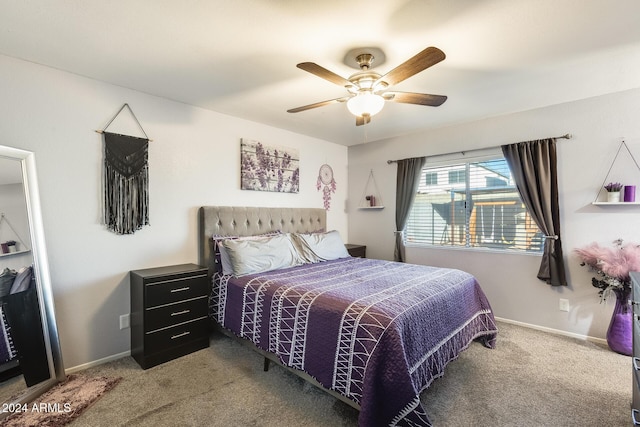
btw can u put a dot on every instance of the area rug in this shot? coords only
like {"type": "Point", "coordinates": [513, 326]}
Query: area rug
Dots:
{"type": "Point", "coordinates": [62, 404]}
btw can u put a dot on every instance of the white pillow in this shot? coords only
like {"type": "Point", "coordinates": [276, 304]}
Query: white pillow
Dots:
{"type": "Point", "coordinates": [318, 247]}
{"type": "Point", "coordinates": [257, 255]}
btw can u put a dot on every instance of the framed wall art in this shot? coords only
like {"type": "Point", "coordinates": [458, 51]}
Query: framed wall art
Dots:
{"type": "Point", "coordinates": [269, 168]}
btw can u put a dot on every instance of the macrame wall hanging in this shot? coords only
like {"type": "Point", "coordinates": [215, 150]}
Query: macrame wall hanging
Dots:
{"type": "Point", "coordinates": [125, 179]}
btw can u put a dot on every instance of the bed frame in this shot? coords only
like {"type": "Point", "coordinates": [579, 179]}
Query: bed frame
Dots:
{"type": "Point", "coordinates": [249, 221]}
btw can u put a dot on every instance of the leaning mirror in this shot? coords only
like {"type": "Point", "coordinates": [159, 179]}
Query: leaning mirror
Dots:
{"type": "Point", "coordinates": [30, 356]}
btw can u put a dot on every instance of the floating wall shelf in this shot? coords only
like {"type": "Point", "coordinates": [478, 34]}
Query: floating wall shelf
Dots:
{"type": "Point", "coordinates": [15, 253]}
{"type": "Point", "coordinates": [3, 218]}
{"type": "Point", "coordinates": [621, 203]}
{"type": "Point", "coordinates": [371, 190]}
{"type": "Point", "coordinates": [616, 203]}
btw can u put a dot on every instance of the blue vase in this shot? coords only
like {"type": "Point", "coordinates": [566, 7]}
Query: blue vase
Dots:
{"type": "Point", "coordinates": [619, 334]}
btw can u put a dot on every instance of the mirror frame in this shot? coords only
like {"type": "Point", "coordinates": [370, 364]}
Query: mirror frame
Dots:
{"type": "Point", "coordinates": [41, 271]}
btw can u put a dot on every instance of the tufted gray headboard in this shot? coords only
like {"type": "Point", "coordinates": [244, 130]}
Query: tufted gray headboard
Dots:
{"type": "Point", "coordinates": [249, 221]}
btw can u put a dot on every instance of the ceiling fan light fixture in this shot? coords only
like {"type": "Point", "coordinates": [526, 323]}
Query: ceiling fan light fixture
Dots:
{"type": "Point", "coordinates": [367, 89]}
{"type": "Point", "coordinates": [365, 104]}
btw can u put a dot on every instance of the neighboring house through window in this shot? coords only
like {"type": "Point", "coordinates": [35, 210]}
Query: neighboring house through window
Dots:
{"type": "Point", "coordinates": [471, 205]}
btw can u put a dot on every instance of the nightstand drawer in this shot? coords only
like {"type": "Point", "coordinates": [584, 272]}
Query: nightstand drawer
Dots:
{"type": "Point", "coordinates": [174, 290]}
{"type": "Point", "coordinates": [170, 314]}
{"type": "Point", "coordinates": [176, 335]}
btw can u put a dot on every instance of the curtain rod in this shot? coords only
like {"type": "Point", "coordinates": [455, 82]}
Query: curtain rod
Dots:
{"type": "Point", "coordinates": [565, 136]}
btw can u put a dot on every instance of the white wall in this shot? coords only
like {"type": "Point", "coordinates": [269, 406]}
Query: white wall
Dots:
{"type": "Point", "coordinates": [194, 160]}
{"type": "Point", "coordinates": [598, 126]}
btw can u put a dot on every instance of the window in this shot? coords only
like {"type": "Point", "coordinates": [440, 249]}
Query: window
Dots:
{"type": "Point", "coordinates": [457, 176]}
{"type": "Point", "coordinates": [431, 178]}
{"type": "Point", "coordinates": [478, 207]}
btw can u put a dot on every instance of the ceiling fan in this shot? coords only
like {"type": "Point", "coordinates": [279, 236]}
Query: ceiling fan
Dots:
{"type": "Point", "coordinates": [368, 89]}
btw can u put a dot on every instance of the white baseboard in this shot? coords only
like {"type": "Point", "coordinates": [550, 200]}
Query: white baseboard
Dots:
{"type": "Point", "coordinates": [554, 331]}
{"type": "Point", "coordinates": [96, 362]}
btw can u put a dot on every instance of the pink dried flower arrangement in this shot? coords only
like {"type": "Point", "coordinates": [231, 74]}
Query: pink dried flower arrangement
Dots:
{"type": "Point", "coordinates": [612, 266]}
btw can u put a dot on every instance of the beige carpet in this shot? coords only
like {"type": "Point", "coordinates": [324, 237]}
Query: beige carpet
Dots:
{"type": "Point", "coordinates": [62, 404]}
{"type": "Point", "coordinates": [531, 379]}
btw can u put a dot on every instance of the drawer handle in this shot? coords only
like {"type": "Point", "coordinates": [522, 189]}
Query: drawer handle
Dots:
{"type": "Point", "coordinates": [633, 417]}
{"type": "Point", "coordinates": [635, 363]}
{"type": "Point", "coordinates": [180, 335]}
{"type": "Point", "coordinates": [178, 313]}
{"type": "Point", "coordinates": [186, 288]}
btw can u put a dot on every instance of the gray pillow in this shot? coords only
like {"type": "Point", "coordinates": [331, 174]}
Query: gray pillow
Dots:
{"type": "Point", "coordinates": [221, 259]}
{"type": "Point", "coordinates": [257, 255]}
{"type": "Point", "coordinates": [22, 280]}
{"type": "Point", "coordinates": [6, 280]}
{"type": "Point", "coordinates": [316, 247]}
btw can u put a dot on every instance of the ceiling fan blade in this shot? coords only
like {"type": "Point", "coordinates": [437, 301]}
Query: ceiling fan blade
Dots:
{"type": "Point", "coordinates": [415, 98]}
{"type": "Point", "coordinates": [423, 60]}
{"type": "Point", "coordinates": [318, 104]}
{"type": "Point", "coordinates": [322, 72]}
{"type": "Point", "coordinates": [363, 120]}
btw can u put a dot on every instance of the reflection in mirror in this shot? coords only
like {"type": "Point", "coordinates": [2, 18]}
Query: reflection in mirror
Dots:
{"type": "Point", "coordinates": [15, 257]}
{"type": "Point", "coordinates": [30, 357]}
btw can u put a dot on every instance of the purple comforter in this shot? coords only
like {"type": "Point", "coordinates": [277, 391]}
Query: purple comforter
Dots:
{"type": "Point", "coordinates": [378, 332]}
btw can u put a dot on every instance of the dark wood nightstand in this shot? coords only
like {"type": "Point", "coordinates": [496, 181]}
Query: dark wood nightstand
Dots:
{"type": "Point", "coordinates": [169, 307]}
{"type": "Point", "coordinates": [358, 251]}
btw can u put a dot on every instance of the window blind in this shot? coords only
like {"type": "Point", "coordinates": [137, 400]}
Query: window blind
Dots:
{"type": "Point", "coordinates": [471, 205]}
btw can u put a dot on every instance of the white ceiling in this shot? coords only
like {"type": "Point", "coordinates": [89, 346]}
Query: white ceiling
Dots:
{"type": "Point", "coordinates": [239, 57]}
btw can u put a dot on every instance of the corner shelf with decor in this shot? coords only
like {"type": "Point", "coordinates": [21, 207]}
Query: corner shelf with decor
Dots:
{"type": "Point", "coordinates": [371, 198]}
{"type": "Point", "coordinates": [617, 193]}
{"type": "Point", "coordinates": [10, 247]}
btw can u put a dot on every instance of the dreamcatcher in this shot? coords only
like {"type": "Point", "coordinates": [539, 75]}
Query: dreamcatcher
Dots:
{"type": "Point", "coordinates": [325, 177]}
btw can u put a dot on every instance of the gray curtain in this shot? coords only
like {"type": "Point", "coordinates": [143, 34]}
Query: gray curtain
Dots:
{"type": "Point", "coordinates": [533, 165]}
{"type": "Point", "coordinates": [408, 179]}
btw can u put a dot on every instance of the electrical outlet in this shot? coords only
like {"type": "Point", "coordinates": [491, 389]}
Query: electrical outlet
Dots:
{"type": "Point", "coordinates": [124, 321]}
{"type": "Point", "coordinates": [564, 304]}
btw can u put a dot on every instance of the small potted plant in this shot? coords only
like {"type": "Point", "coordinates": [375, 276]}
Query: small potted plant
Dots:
{"type": "Point", "coordinates": [613, 191]}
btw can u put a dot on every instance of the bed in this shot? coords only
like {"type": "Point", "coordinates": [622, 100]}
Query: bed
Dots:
{"type": "Point", "coordinates": [373, 333]}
